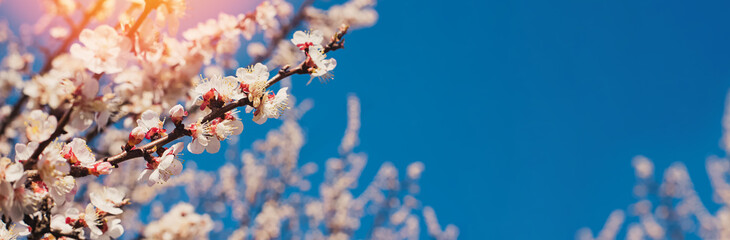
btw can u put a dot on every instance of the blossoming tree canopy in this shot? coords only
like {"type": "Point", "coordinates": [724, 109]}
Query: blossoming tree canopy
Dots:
{"type": "Point", "coordinates": [100, 129]}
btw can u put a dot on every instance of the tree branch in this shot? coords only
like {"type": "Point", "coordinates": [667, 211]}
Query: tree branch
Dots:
{"type": "Point", "coordinates": [149, 5]}
{"type": "Point", "coordinates": [180, 130]}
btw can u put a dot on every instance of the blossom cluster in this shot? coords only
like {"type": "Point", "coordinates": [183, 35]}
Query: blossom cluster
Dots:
{"type": "Point", "coordinates": [99, 130]}
{"type": "Point", "coordinates": [669, 207]}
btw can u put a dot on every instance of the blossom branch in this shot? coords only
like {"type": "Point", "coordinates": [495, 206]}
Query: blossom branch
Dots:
{"type": "Point", "coordinates": [336, 42]}
{"type": "Point", "coordinates": [56, 133]}
{"type": "Point", "coordinates": [179, 132]}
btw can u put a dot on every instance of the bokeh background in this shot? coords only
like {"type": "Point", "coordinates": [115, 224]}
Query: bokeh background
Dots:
{"type": "Point", "coordinates": [526, 113]}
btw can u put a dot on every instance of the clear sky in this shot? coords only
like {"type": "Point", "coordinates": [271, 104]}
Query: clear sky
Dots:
{"type": "Point", "coordinates": [527, 113]}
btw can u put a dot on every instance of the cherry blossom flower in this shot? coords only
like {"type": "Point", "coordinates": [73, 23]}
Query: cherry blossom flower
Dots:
{"type": "Point", "coordinates": [303, 40]}
{"type": "Point", "coordinates": [163, 167]}
{"type": "Point", "coordinates": [112, 229]}
{"type": "Point", "coordinates": [253, 80]}
{"type": "Point", "coordinates": [208, 137]}
{"type": "Point", "coordinates": [320, 67]}
{"type": "Point", "coordinates": [108, 200]}
{"type": "Point", "coordinates": [53, 169]}
{"type": "Point", "coordinates": [13, 231]}
{"type": "Point", "coordinates": [104, 50]}
{"type": "Point", "coordinates": [23, 151]}
{"type": "Point", "coordinates": [201, 141]}
{"type": "Point", "coordinates": [92, 108]}
{"type": "Point", "coordinates": [10, 171]}
{"type": "Point", "coordinates": [222, 129]}
{"type": "Point", "coordinates": [92, 219]}
{"type": "Point", "coordinates": [64, 222]}
{"type": "Point", "coordinates": [136, 135]}
{"type": "Point", "coordinates": [177, 113]}
{"type": "Point", "coordinates": [39, 126]}
{"type": "Point", "coordinates": [78, 153]}
{"type": "Point", "coordinates": [60, 187]}
{"type": "Point", "coordinates": [217, 89]}
{"type": "Point", "coordinates": [101, 168]}
{"type": "Point", "coordinates": [48, 89]}
{"type": "Point", "coordinates": [12, 194]}
{"type": "Point", "coordinates": [150, 122]}
{"type": "Point", "coordinates": [266, 16]}
{"type": "Point", "coordinates": [181, 222]}
{"type": "Point", "coordinates": [272, 107]}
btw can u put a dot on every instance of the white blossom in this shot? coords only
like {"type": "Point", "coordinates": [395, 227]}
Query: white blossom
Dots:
{"type": "Point", "coordinates": [78, 153]}
{"type": "Point", "coordinates": [272, 107]}
{"type": "Point", "coordinates": [108, 200]}
{"type": "Point", "coordinates": [303, 40]}
{"type": "Point", "coordinates": [112, 230]}
{"type": "Point", "coordinates": [163, 167]}
{"type": "Point", "coordinates": [151, 124]}
{"type": "Point", "coordinates": [181, 222]}
{"type": "Point", "coordinates": [104, 50]}
{"type": "Point", "coordinates": [62, 222]}
{"type": "Point", "coordinates": [321, 67]}
{"type": "Point", "coordinates": [39, 125]}
{"type": "Point", "coordinates": [10, 171]}
{"type": "Point", "coordinates": [177, 113]}
{"type": "Point", "coordinates": [254, 80]}
{"type": "Point", "coordinates": [13, 231]}
{"type": "Point", "coordinates": [222, 89]}
{"type": "Point", "coordinates": [92, 219]}
{"type": "Point", "coordinates": [208, 137]}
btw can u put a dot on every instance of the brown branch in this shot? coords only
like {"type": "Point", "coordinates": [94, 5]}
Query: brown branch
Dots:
{"type": "Point", "coordinates": [337, 41]}
{"type": "Point", "coordinates": [149, 5]}
{"type": "Point", "coordinates": [285, 72]}
{"type": "Point", "coordinates": [180, 130]}
{"type": "Point", "coordinates": [13, 114]}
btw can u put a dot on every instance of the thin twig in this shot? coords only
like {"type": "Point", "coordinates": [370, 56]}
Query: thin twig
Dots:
{"type": "Point", "coordinates": [147, 9]}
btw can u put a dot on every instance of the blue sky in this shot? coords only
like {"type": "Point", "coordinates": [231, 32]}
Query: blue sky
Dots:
{"type": "Point", "coordinates": [527, 113]}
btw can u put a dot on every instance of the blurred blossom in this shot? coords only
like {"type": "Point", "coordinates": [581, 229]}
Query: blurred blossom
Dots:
{"type": "Point", "coordinates": [181, 222]}
{"type": "Point", "coordinates": [671, 208]}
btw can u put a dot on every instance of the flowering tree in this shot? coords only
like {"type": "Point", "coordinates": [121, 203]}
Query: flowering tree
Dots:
{"type": "Point", "coordinates": [92, 138]}
{"type": "Point", "coordinates": [670, 208]}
